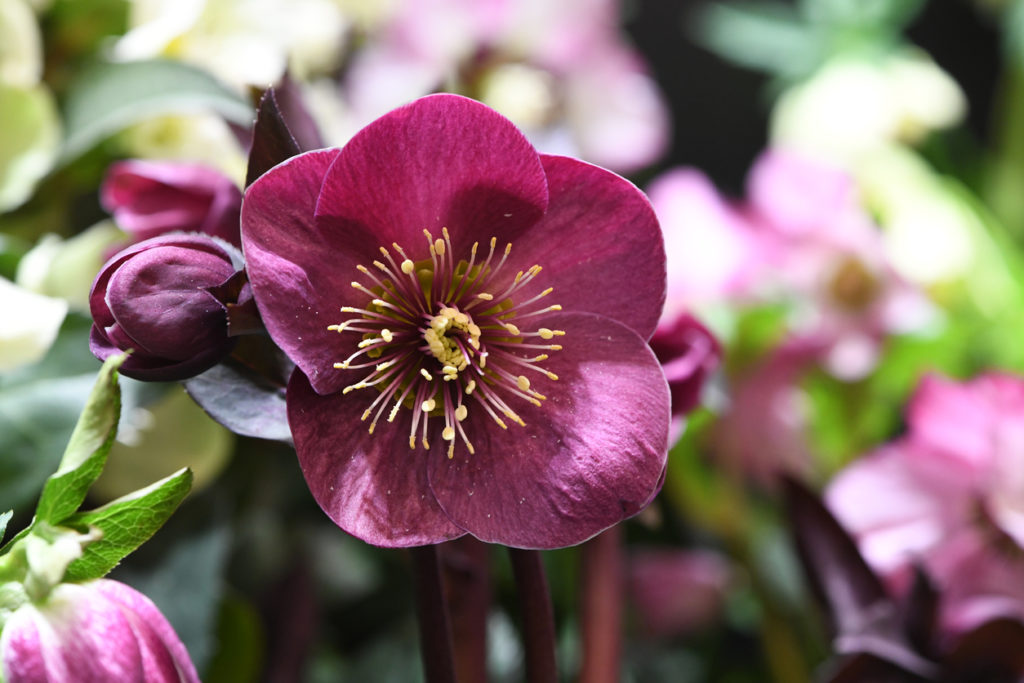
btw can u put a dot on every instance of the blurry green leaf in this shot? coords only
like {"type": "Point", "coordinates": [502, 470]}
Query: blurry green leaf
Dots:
{"type": "Point", "coordinates": [87, 450]}
{"type": "Point", "coordinates": [240, 642]}
{"type": "Point", "coordinates": [29, 140]}
{"type": "Point", "coordinates": [108, 97]}
{"type": "Point", "coordinates": [36, 420]}
{"type": "Point", "coordinates": [126, 524]}
{"type": "Point", "coordinates": [766, 36]}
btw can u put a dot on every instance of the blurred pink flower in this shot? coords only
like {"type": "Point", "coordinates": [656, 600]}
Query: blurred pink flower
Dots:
{"type": "Point", "coordinates": [828, 260]}
{"type": "Point", "coordinates": [688, 354]}
{"type": "Point", "coordinates": [561, 71]}
{"type": "Point", "coordinates": [677, 592]}
{"type": "Point", "coordinates": [98, 631]}
{"type": "Point", "coordinates": [713, 252]}
{"type": "Point", "coordinates": [949, 495]}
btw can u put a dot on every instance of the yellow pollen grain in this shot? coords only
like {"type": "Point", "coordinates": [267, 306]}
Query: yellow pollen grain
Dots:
{"type": "Point", "coordinates": [523, 382]}
{"type": "Point", "coordinates": [428, 405]}
{"type": "Point", "coordinates": [426, 444]}
{"type": "Point", "coordinates": [448, 434]}
{"type": "Point", "coordinates": [469, 447]}
{"type": "Point", "coordinates": [386, 335]}
{"type": "Point", "coordinates": [450, 370]}
{"type": "Point", "coordinates": [485, 296]}
{"type": "Point", "coordinates": [461, 319]}
{"type": "Point", "coordinates": [512, 329]}
{"type": "Point", "coordinates": [555, 307]}
{"type": "Point", "coordinates": [412, 443]}
{"type": "Point", "coordinates": [426, 375]}
{"type": "Point", "coordinates": [385, 365]}
{"type": "Point", "coordinates": [474, 330]}
{"type": "Point", "coordinates": [366, 414]}
{"type": "Point", "coordinates": [394, 412]}
{"type": "Point", "coordinates": [555, 347]}
{"type": "Point", "coordinates": [439, 247]}
{"type": "Point", "coordinates": [380, 265]}
{"type": "Point", "coordinates": [470, 386]}
{"type": "Point", "coordinates": [461, 412]}
{"type": "Point", "coordinates": [341, 366]}
{"type": "Point", "coordinates": [408, 267]}
{"type": "Point", "coordinates": [552, 376]}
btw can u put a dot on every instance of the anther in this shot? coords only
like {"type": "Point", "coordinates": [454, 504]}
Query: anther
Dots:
{"type": "Point", "coordinates": [428, 405]}
{"type": "Point", "coordinates": [523, 382]}
{"type": "Point", "coordinates": [426, 375]}
{"type": "Point", "coordinates": [461, 412]}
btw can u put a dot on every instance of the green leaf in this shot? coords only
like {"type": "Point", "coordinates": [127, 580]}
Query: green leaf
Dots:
{"type": "Point", "coordinates": [87, 451]}
{"type": "Point", "coordinates": [4, 519]}
{"type": "Point", "coordinates": [126, 524]}
{"type": "Point", "coordinates": [108, 97]}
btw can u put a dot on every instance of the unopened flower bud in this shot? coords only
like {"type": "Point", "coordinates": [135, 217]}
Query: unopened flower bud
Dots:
{"type": "Point", "coordinates": [101, 630]}
{"type": "Point", "coordinates": [164, 299]}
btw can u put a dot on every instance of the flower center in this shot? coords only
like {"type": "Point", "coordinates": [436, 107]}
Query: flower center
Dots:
{"type": "Point", "coordinates": [437, 333]}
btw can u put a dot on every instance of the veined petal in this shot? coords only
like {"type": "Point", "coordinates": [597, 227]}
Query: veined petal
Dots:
{"type": "Point", "coordinates": [300, 276]}
{"type": "Point", "coordinates": [591, 455]}
{"type": "Point", "coordinates": [372, 485]}
{"type": "Point", "coordinates": [440, 161]}
{"type": "Point", "coordinates": [599, 244]}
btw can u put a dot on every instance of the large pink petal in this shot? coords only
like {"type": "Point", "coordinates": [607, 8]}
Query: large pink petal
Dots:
{"type": "Point", "coordinates": [372, 485]}
{"type": "Point", "coordinates": [590, 456]}
{"type": "Point", "coordinates": [898, 507]}
{"type": "Point", "coordinates": [599, 244]}
{"type": "Point", "coordinates": [956, 420]}
{"type": "Point", "coordinates": [300, 275]}
{"type": "Point", "coordinates": [441, 161]}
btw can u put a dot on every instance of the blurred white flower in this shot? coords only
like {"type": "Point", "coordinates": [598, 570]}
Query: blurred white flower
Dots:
{"type": "Point", "coordinates": [242, 42]}
{"type": "Point", "coordinates": [21, 53]}
{"type": "Point", "coordinates": [28, 325]}
{"type": "Point", "coordinates": [65, 269]}
{"type": "Point", "coordinates": [851, 106]}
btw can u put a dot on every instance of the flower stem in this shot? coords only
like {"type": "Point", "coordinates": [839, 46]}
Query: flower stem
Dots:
{"type": "Point", "coordinates": [601, 608]}
{"type": "Point", "coordinates": [465, 563]}
{"type": "Point", "coordinates": [537, 615]}
{"type": "Point", "coordinates": [432, 615]}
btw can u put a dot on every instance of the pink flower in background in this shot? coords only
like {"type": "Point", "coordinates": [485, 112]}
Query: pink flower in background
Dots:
{"type": "Point", "coordinates": [677, 592]}
{"type": "Point", "coordinates": [98, 631]}
{"type": "Point", "coordinates": [949, 495]}
{"type": "Point", "coordinates": [714, 255]}
{"type": "Point", "coordinates": [561, 71]}
{"type": "Point", "coordinates": [150, 198]}
{"type": "Point", "coordinates": [827, 260]}
{"type": "Point", "coordinates": [439, 389]}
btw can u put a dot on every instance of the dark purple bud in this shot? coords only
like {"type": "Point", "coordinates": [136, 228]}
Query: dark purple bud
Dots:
{"type": "Point", "coordinates": [688, 353]}
{"type": "Point", "coordinates": [157, 298]}
{"type": "Point", "coordinates": [151, 198]}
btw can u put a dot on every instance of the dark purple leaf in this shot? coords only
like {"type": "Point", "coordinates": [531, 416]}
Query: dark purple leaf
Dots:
{"type": "Point", "coordinates": [245, 393]}
{"type": "Point", "coordinates": [272, 141]}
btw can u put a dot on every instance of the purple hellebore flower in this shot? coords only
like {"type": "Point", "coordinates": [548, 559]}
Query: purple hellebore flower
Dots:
{"type": "Point", "coordinates": [157, 298]}
{"type": "Point", "coordinates": [151, 198]}
{"type": "Point", "coordinates": [93, 632]}
{"type": "Point", "coordinates": [452, 394]}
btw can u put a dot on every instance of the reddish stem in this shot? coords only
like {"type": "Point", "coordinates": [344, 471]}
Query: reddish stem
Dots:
{"type": "Point", "coordinates": [601, 607]}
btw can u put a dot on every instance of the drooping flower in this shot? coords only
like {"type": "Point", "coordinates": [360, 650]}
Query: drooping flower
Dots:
{"type": "Point", "coordinates": [166, 299]}
{"type": "Point", "coordinates": [151, 198]}
{"type": "Point", "coordinates": [102, 630]}
{"type": "Point", "coordinates": [488, 371]}
{"type": "Point", "coordinates": [953, 493]}
{"type": "Point", "coordinates": [688, 353]}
